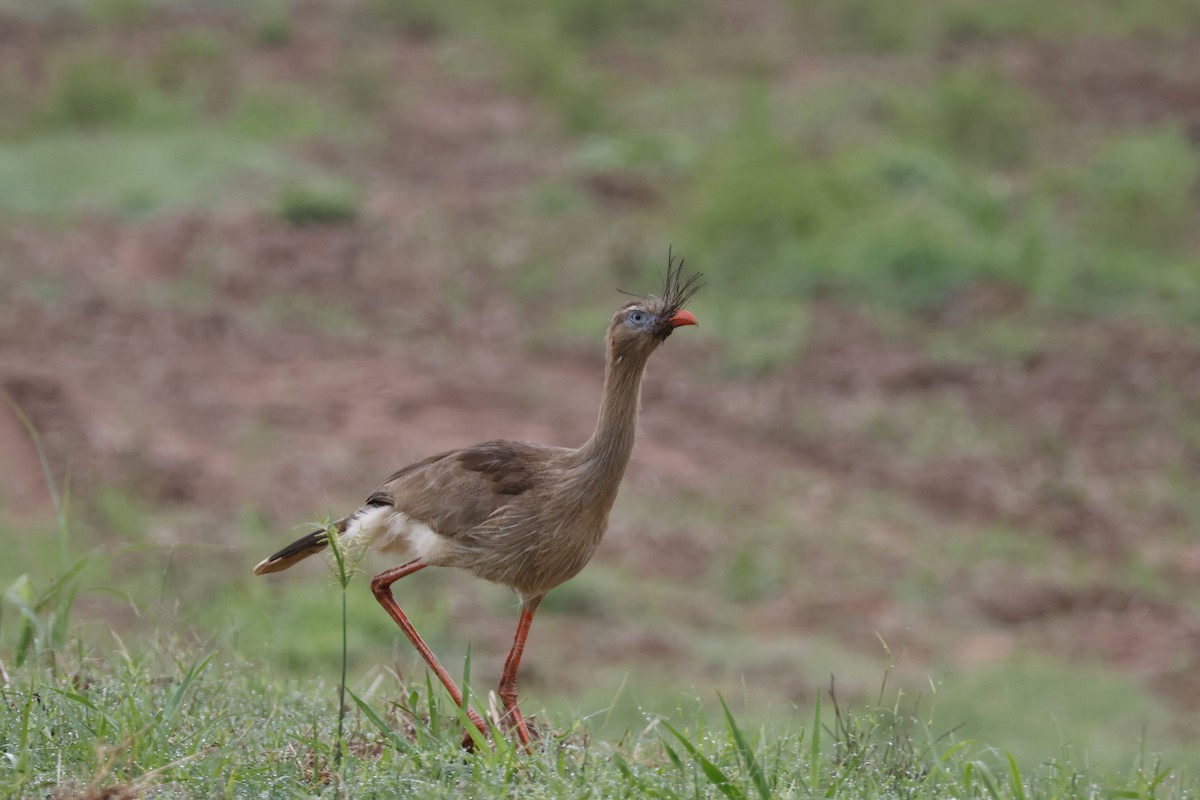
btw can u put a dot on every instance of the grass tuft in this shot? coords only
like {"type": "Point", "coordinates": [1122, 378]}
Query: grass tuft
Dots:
{"type": "Point", "coordinates": [318, 205]}
{"type": "Point", "coordinates": [1140, 193]}
{"type": "Point", "coordinates": [92, 91]}
{"type": "Point", "coordinates": [419, 19]}
{"type": "Point", "coordinates": [984, 117]}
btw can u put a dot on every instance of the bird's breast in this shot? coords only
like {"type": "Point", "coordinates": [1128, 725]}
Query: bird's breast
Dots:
{"type": "Point", "coordinates": [534, 554]}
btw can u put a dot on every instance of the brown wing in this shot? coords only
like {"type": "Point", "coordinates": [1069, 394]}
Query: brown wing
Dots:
{"type": "Point", "coordinates": [458, 490]}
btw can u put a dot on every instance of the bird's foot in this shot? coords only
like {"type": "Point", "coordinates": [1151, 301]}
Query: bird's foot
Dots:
{"type": "Point", "coordinates": [526, 728]}
{"type": "Point", "coordinates": [469, 736]}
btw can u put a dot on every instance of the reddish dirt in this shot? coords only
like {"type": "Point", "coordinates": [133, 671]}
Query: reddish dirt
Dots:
{"type": "Point", "coordinates": [1124, 82]}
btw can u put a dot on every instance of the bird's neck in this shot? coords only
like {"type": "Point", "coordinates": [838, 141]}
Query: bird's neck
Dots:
{"type": "Point", "coordinates": [603, 457]}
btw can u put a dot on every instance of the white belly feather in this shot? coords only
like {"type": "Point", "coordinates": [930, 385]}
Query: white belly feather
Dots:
{"type": "Point", "coordinates": [390, 530]}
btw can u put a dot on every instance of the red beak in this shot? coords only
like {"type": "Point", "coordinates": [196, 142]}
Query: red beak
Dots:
{"type": "Point", "coordinates": [683, 317]}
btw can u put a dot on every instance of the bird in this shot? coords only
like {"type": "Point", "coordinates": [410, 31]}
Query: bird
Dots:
{"type": "Point", "coordinates": [524, 515]}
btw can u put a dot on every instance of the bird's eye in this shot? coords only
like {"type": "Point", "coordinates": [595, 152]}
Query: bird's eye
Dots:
{"type": "Point", "coordinates": [637, 317]}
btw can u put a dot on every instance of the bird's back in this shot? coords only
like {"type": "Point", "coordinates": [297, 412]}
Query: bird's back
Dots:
{"type": "Point", "coordinates": [456, 491]}
{"type": "Point", "coordinates": [503, 510]}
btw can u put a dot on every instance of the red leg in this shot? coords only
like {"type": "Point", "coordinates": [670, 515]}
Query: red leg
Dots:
{"type": "Point", "coordinates": [508, 679]}
{"type": "Point", "coordinates": [381, 585]}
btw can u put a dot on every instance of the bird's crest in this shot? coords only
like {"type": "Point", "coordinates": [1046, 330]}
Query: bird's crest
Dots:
{"type": "Point", "coordinates": [677, 290]}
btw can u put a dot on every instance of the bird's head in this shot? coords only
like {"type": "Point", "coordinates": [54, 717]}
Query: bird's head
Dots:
{"type": "Point", "coordinates": [645, 322]}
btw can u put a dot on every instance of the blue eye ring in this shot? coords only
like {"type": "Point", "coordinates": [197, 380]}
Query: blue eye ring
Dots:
{"type": "Point", "coordinates": [638, 317]}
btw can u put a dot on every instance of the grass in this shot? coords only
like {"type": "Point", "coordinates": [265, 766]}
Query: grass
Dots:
{"type": "Point", "coordinates": [203, 723]}
{"type": "Point", "coordinates": [949, 191]}
{"type": "Point", "coordinates": [108, 135]}
{"type": "Point", "coordinates": [893, 222]}
{"type": "Point", "coordinates": [317, 205]}
{"type": "Point", "coordinates": [93, 91]}
{"type": "Point", "coordinates": [135, 174]}
{"type": "Point", "coordinates": [1019, 699]}
{"type": "Point", "coordinates": [904, 191]}
{"type": "Point", "coordinates": [940, 427]}
{"type": "Point", "coordinates": [908, 26]}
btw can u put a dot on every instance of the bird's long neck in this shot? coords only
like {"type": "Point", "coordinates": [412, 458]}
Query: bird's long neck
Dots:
{"type": "Point", "coordinates": [603, 457]}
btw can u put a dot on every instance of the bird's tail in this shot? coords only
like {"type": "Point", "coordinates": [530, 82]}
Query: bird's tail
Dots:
{"type": "Point", "coordinates": [300, 549]}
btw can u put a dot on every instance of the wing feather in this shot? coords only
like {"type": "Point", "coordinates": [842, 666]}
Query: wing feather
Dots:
{"type": "Point", "coordinates": [456, 491]}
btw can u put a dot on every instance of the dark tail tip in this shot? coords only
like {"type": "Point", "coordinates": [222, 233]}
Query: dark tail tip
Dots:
{"type": "Point", "coordinates": [298, 550]}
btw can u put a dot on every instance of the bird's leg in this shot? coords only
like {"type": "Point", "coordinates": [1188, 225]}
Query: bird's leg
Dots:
{"type": "Point", "coordinates": [508, 679]}
{"type": "Point", "coordinates": [381, 586]}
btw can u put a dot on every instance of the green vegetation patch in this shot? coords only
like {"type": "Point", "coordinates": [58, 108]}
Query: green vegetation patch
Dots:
{"type": "Point", "coordinates": [183, 131]}
{"type": "Point", "coordinates": [318, 205]}
{"type": "Point", "coordinates": [907, 26]}
{"type": "Point", "coordinates": [942, 191]}
{"type": "Point", "coordinates": [1036, 706]}
{"type": "Point", "coordinates": [137, 172]}
{"type": "Point", "coordinates": [894, 223]}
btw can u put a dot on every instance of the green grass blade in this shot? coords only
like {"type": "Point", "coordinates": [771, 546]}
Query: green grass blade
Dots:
{"type": "Point", "coordinates": [477, 736]}
{"type": "Point", "coordinates": [422, 732]}
{"type": "Point", "coordinates": [978, 772]}
{"type": "Point", "coordinates": [1018, 787]}
{"type": "Point", "coordinates": [63, 582]}
{"type": "Point", "coordinates": [716, 776]}
{"type": "Point", "coordinates": [20, 595]}
{"type": "Point", "coordinates": [397, 741]}
{"type": "Point", "coordinates": [47, 474]}
{"type": "Point", "coordinates": [175, 701]}
{"type": "Point", "coordinates": [83, 700]}
{"type": "Point", "coordinates": [23, 750]}
{"type": "Point", "coordinates": [950, 752]}
{"type": "Point", "coordinates": [814, 749]}
{"type": "Point", "coordinates": [674, 757]}
{"type": "Point", "coordinates": [343, 581]}
{"type": "Point", "coordinates": [746, 753]}
{"type": "Point", "coordinates": [62, 615]}
{"type": "Point", "coordinates": [642, 787]}
{"type": "Point", "coordinates": [1158, 779]}
{"type": "Point", "coordinates": [435, 724]}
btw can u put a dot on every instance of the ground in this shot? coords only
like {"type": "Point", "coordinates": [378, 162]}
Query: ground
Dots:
{"type": "Point", "coordinates": [983, 481]}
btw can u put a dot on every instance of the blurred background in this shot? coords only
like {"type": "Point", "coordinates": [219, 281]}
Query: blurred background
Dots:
{"type": "Point", "coordinates": [941, 420]}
